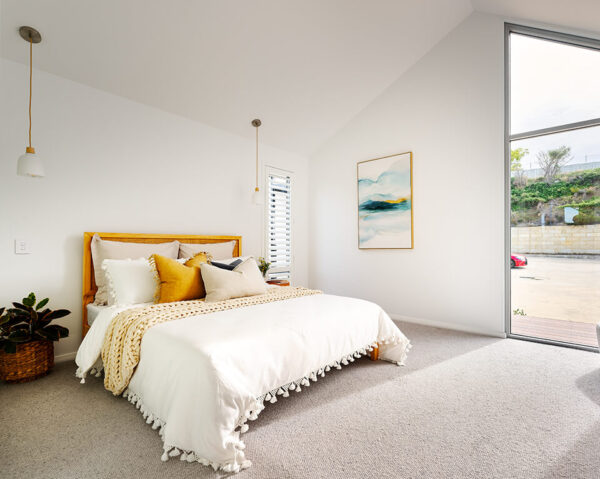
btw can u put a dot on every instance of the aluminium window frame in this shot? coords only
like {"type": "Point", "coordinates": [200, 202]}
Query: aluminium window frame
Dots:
{"type": "Point", "coordinates": [558, 37]}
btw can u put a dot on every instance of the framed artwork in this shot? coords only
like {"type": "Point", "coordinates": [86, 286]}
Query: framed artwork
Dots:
{"type": "Point", "coordinates": [385, 202]}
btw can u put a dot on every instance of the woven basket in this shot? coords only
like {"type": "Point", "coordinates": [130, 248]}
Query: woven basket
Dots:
{"type": "Point", "coordinates": [31, 361]}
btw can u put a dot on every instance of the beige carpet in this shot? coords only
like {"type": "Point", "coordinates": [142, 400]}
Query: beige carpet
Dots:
{"type": "Point", "coordinates": [463, 406]}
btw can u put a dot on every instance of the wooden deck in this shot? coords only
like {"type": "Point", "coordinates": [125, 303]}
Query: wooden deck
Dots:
{"type": "Point", "coordinates": [555, 329]}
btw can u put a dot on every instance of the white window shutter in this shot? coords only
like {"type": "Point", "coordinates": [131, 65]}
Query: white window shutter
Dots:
{"type": "Point", "coordinates": [279, 225]}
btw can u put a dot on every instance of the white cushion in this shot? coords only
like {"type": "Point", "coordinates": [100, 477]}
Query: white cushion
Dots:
{"type": "Point", "coordinates": [104, 249]}
{"type": "Point", "coordinates": [221, 284]}
{"type": "Point", "coordinates": [130, 281]}
{"type": "Point", "coordinates": [215, 250]}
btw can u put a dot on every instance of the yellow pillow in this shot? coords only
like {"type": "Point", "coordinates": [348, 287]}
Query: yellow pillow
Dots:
{"type": "Point", "coordinates": [179, 282]}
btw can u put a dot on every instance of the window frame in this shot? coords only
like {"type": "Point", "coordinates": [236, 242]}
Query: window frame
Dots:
{"type": "Point", "coordinates": [558, 37]}
{"type": "Point", "coordinates": [271, 170]}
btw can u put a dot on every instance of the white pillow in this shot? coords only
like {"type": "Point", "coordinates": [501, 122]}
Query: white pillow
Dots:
{"type": "Point", "coordinates": [221, 284]}
{"type": "Point", "coordinates": [130, 281]}
{"type": "Point", "coordinates": [216, 250]}
{"type": "Point", "coordinates": [106, 249]}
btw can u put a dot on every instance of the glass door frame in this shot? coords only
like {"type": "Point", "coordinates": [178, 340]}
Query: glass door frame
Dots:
{"type": "Point", "coordinates": [563, 38]}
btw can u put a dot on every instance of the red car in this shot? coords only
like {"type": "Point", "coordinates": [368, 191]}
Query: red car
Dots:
{"type": "Point", "coordinates": [517, 260]}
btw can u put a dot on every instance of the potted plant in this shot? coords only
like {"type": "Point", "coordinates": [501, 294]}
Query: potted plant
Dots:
{"type": "Point", "coordinates": [263, 266]}
{"type": "Point", "coordinates": [27, 339]}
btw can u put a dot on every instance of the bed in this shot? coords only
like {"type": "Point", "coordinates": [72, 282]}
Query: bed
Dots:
{"type": "Point", "coordinates": [201, 376]}
{"type": "Point", "coordinates": [89, 283]}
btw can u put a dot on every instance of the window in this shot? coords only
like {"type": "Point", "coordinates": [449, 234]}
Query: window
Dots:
{"type": "Point", "coordinates": [279, 223]}
{"type": "Point", "coordinates": [551, 83]}
{"type": "Point", "coordinates": [553, 181]}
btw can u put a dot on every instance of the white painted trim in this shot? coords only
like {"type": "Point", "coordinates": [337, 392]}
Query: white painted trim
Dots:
{"type": "Point", "coordinates": [452, 326]}
{"type": "Point", "coordinates": [61, 358]}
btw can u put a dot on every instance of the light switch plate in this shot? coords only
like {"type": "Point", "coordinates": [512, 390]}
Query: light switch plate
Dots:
{"type": "Point", "coordinates": [22, 246]}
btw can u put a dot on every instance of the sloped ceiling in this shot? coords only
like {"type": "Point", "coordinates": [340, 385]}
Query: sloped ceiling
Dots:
{"type": "Point", "coordinates": [582, 15]}
{"type": "Point", "coordinates": [305, 67]}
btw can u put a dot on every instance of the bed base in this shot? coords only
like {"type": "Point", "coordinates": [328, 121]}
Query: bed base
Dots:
{"type": "Point", "coordinates": [374, 355]}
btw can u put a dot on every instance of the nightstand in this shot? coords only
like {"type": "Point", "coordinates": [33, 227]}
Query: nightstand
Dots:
{"type": "Point", "coordinates": [279, 282]}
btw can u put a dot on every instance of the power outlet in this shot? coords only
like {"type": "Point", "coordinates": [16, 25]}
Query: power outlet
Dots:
{"type": "Point", "coordinates": [22, 246]}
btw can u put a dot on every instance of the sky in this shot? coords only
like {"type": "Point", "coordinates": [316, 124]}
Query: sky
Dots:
{"type": "Point", "coordinates": [553, 84]}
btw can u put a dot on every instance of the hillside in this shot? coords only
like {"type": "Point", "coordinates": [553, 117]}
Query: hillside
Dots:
{"type": "Point", "coordinates": [537, 202]}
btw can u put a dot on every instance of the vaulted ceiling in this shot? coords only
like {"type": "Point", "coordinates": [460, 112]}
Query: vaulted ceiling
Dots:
{"type": "Point", "coordinates": [304, 67]}
{"type": "Point", "coordinates": [580, 15]}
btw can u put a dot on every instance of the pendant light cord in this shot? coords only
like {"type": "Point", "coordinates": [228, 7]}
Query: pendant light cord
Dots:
{"type": "Point", "coordinates": [256, 184]}
{"type": "Point", "coordinates": [30, 81]}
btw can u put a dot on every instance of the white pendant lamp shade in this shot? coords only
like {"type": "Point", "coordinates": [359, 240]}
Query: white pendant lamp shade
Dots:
{"type": "Point", "coordinates": [257, 197]}
{"type": "Point", "coordinates": [29, 164]}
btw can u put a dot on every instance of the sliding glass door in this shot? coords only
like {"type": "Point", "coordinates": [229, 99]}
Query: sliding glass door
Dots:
{"type": "Point", "coordinates": [553, 156]}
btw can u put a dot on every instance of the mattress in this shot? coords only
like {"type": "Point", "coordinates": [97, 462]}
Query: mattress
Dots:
{"type": "Point", "coordinates": [93, 310]}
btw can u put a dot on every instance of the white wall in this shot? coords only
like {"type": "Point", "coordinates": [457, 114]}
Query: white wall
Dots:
{"type": "Point", "coordinates": [115, 165]}
{"type": "Point", "coordinates": [448, 110]}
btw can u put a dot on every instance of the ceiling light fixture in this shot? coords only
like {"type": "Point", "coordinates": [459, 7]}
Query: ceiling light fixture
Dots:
{"type": "Point", "coordinates": [29, 164]}
{"type": "Point", "coordinates": [256, 197]}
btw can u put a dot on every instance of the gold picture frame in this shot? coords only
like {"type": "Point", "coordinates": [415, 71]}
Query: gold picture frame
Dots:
{"type": "Point", "coordinates": [385, 202]}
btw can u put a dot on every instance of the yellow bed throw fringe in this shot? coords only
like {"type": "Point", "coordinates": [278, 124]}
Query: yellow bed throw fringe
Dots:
{"type": "Point", "coordinates": [122, 344]}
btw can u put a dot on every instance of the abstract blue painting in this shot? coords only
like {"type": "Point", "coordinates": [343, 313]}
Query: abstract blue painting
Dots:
{"type": "Point", "coordinates": [385, 216]}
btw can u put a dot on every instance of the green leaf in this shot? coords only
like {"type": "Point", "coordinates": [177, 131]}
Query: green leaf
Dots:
{"type": "Point", "coordinates": [19, 336]}
{"type": "Point", "coordinates": [64, 332]}
{"type": "Point", "coordinates": [42, 323]}
{"type": "Point", "coordinates": [40, 333]}
{"type": "Point", "coordinates": [42, 303]}
{"type": "Point", "coordinates": [19, 314]}
{"type": "Point", "coordinates": [48, 334]}
{"type": "Point", "coordinates": [59, 313]}
{"type": "Point", "coordinates": [29, 300]}
{"type": "Point", "coordinates": [4, 319]}
{"type": "Point", "coordinates": [57, 331]}
{"type": "Point", "coordinates": [21, 307]}
{"type": "Point", "coordinates": [18, 318]}
{"type": "Point", "coordinates": [42, 315]}
{"type": "Point", "coordinates": [20, 327]}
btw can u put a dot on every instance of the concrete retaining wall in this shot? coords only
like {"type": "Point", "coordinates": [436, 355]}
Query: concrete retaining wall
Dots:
{"type": "Point", "coordinates": [556, 239]}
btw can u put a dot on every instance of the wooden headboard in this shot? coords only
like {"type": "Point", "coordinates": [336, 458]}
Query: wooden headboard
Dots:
{"type": "Point", "coordinates": [89, 283]}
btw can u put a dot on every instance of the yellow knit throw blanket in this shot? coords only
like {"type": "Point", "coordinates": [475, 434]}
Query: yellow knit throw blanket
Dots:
{"type": "Point", "coordinates": [123, 340]}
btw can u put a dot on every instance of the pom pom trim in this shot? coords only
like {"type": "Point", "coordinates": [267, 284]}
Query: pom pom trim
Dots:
{"type": "Point", "coordinates": [240, 462]}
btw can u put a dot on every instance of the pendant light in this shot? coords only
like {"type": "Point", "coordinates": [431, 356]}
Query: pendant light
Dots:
{"type": "Point", "coordinates": [257, 197]}
{"type": "Point", "coordinates": [29, 164]}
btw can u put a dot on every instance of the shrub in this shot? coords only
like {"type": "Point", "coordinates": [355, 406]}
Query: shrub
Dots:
{"type": "Point", "coordinates": [586, 219]}
{"type": "Point", "coordinates": [584, 204]}
{"type": "Point", "coordinates": [573, 189]}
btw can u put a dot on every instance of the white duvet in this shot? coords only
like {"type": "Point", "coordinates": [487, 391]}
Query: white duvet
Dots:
{"type": "Point", "coordinates": [200, 379]}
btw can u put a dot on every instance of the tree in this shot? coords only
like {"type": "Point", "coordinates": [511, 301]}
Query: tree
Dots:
{"type": "Point", "coordinates": [552, 161]}
{"type": "Point", "coordinates": [516, 156]}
